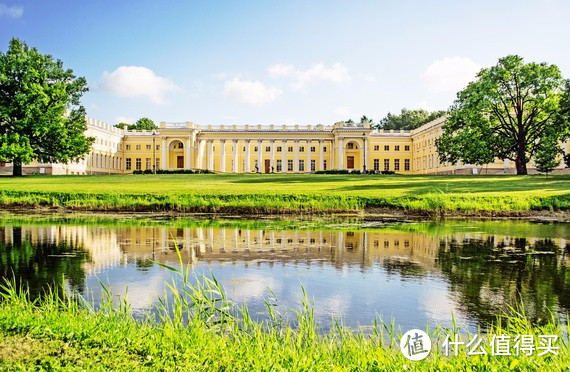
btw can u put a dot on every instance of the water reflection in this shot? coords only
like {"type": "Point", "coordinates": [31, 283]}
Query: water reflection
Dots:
{"type": "Point", "coordinates": [414, 276]}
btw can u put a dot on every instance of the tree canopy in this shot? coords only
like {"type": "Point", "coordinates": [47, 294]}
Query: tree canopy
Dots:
{"type": "Point", "coordinates": [508, 112]}
{"type": "Point", "coordinates": [408, 119]}
{"type": "Point", "coordinates": [41, 117]}
{"type": "Point", "coordinates": [141, 124]}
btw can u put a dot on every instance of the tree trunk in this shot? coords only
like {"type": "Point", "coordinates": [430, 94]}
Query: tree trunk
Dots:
{"type": "Point", "coordinates": [520, 162]}
{"type": "Point", "coordinates": [16, 168]}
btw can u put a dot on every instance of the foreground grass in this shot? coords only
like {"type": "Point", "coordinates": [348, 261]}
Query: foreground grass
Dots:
{"type": "Point", "coordinates": [204, 332]}
{"type": "Point", "coordinates": [289, 193]}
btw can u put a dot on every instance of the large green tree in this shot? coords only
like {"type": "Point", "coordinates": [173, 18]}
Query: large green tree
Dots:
{"type": "Point", "coordinates": [141, 124]}
{"type": "Point", "coordinates": [41, 117]}
{"type": "Point", "coordinates": [504, 114]}
{"type": "Point", "coordinates": [408, 119]}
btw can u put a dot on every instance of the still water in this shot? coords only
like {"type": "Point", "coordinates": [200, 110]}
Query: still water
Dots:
{"type": "Point", "coordinates": [415, 273]}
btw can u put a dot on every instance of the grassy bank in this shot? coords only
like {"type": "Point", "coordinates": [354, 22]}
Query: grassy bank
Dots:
{"type": "Point", "coordinates": [289, 193]}
{"type": "Point", "coordinates": [205, 332]}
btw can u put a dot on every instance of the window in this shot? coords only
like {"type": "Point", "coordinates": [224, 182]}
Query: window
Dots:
{"type": "Point", "coordinates": [279, 166]}
{"type": "Point", "coordinates": [244, 148]}
{"type": "Point", "coordinates": [267, 148]}
{"type": "Point", "coordinates": [149, 147]}
{"type": "Point", "coordinates": [386, 148]}
{"type": "Point", "coordinates": [324, 165]}
{"type": "Point", "coordinates": [158, 147]}
{"type": "Point", "coordinates": [278, 148]}
{"type": "Point", "coordinates": [350, 146]}
{"type": "Point", "coordinates": [397, 164]}
{"type": "Point", "coordinates": [386, 164]}
{"type": "Point", "coordinates": [180, 145]}
{"type": "Point", "coordinates": [325, 149]}
{"type": "Point", "coordinates": [376, 148]}
{"type": "Point", "coordinates": [147, 163]}
{"type": "Point", "coordinates": [301, 165]}
{"type": "Point", "coordinates": [313, 165]}
{"type": "Point", "coordinates": [301, 149]}
{"type": "Point", "coordinates": [396, 148]}
{"type": "Point", "coordinates": [313, 149]}
{"type": "Point", "coordinates": [255, 149]}
{"type": "Point", "coordinates": [156, 165]}
{"type": "Point", "coordinates": [128, 147]}
{"type": "Point", "coordinates": [138, 147]}
{"type": "Point", "coordinates": [290, 148]}
{"type": "Point", "coordinates": [138, 164]}
{"type": "Point", "coordinates": [128, 164]}
{"type": "Point", "coordinates": [290, 165]}
{"type": "Point", "coordinates": [406, 148]}
{"type": "Point", "coordinates": [376, 164]}
{"type": "Point", "coordinates": [407, 164]}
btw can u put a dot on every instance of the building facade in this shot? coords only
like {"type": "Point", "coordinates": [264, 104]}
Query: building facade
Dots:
{"type": "Point", "coordinates": [267, 149]}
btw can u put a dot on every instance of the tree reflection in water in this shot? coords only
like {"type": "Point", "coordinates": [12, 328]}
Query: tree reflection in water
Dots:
{"type": "Point", "coordinates": [490, 276]}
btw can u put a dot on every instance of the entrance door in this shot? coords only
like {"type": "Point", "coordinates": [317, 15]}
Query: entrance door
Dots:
{"type": "Point", "coordinates": [267, 164]}
{"type": "Point", "coordinates": [180, 162]}
{"type": "Point", "coordinates": [350, 162]}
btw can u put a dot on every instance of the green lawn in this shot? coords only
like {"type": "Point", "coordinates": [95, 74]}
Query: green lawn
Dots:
{"type": "Point", "coordinates": [266, 193]}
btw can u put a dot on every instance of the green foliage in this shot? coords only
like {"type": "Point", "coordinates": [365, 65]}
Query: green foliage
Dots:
{"type": "Point", "coordinates": [546, 157]}
{"type": "Point", "coordinates": [141, 124]}
{"type": "Point", "coordinates": [41, 117]}
{"type": "Point", "coordinates": [504, 114]}
{"type": "Point", "coordinates": [408, 119]}
{"type": "Point", "coordinates": [206, 331]}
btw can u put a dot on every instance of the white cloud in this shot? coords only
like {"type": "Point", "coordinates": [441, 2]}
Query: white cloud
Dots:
{"type": "Point", "coordinates": [124, 119]}
{"type": "Point", "coordinates": [449, 74]}
{"type": "Point", "coordinates": [251, 92]}
{"type": "Point", "coordinates": [337, 73]}
{"type": "Point", "coordinates": [343, 112]}
{"type": "Point", "coordinates": [11, 11]}
{"type": "Point", "coordinates": [137, 81]}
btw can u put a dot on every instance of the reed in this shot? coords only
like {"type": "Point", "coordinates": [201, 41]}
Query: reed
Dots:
{"type": "Point", "coordinates": [196, 327]}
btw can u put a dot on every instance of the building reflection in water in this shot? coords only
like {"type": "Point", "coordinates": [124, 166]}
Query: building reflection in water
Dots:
{"type": "Point", "coordinates": [472, 264]}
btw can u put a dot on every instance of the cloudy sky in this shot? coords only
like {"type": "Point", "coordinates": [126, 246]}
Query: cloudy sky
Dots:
{"type": "Point", "coordinates": [269, 62]}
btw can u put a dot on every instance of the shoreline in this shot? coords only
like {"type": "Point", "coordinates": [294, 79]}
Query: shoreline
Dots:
{"type": "Point", "coordinates": [369, 215]}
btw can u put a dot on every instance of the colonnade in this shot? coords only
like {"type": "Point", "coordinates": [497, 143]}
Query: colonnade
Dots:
{"type": "Point", "coordinates": [206, 154]}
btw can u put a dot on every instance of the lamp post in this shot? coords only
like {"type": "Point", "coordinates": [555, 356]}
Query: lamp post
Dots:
{"type": "Point", "coordinates": [153, 152]}
{"type": "Point", "coordinates": [364, 149]}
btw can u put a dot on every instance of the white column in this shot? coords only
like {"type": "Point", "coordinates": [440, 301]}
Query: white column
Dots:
{"type": "Point", "coordinates": [271, 161]}
{"type": "Point", "coordinates": [284, 157]}
{"type": "Point", "coordinates": [201, 146]}
{"type": "Point", "coordinates": [236, 157]}
{"type": "Point", "coordinates": [247, 159]}
{"type": "Point", "coordinates": [223, 155]}
{"type": "Point", "coordinates": [210, 155]}
{"type": "Point", "coordinates": [187, 156]}
{"type": "Point", "coordinates": [365, 167]}
{"type": "Point", "coordinates": [296, 161]}
{"type": "Point", "coordinates": [163, 156]}
{"type": "Point", "coordinates": [340, 153]}
{"type": "Point", "coordinates": [259, 155]}
{"type": "Point", "coordinates": [308, 165]}
{"type": "Point", "coordinates": [321, 155]}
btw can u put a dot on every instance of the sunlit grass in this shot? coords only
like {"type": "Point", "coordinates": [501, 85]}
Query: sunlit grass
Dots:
{"type": "Point", "coordinates": [289, 193]}
{"type": "Point", "coordinates": [200, 329]}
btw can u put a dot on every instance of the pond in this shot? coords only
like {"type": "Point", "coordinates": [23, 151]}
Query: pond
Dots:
{"type": "Point", "coordinates": [412, 273]}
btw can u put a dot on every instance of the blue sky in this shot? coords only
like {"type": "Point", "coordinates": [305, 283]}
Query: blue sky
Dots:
{"type": "Point", "coordinates": [269, 62]}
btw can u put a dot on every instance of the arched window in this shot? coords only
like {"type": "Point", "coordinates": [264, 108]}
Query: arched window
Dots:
{"type": "Point", "coordinates": [351, 146]}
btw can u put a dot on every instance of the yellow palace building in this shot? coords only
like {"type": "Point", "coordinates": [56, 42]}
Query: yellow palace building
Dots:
{"type": "Point", "coordinates": [266, 149]}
